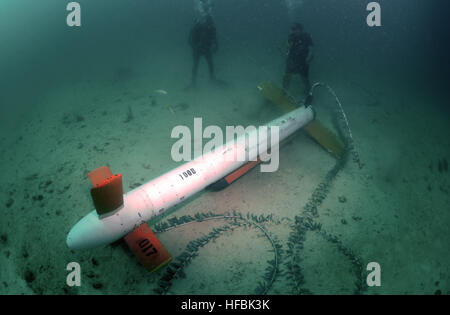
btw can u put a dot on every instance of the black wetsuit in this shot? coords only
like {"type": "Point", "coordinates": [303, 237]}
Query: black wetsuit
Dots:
{"type": "Point", "coordinates": [296, 62]}
{"type": "Point", "coordinates": [203, 41]}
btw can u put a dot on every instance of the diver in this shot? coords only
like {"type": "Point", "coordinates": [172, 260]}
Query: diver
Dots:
{"type": "Point", "coordinates": [203, 40]}
{"type": "Point", "coordinates": [298, 56]}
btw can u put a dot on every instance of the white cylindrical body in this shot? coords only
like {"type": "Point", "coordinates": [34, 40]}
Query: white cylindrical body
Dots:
{"type": "Point", "coordinates": [162, 193]}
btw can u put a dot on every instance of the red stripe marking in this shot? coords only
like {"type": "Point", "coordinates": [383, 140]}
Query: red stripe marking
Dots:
{"type": "Point", "coordinates": [241, 171]}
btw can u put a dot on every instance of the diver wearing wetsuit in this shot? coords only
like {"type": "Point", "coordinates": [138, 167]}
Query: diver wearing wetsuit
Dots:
{"type": "Point", "coordinates": [203, 41]}
{"type": "Point", "coordinates": [298, 56]}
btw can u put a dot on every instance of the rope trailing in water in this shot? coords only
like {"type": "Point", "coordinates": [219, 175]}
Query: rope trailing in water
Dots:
{"type": "Point", "coordinates": [306, 222]}
{"type": "Point", "coordinates": [350, 141]}
{"type": "Point", "coordinates": [175, 268]}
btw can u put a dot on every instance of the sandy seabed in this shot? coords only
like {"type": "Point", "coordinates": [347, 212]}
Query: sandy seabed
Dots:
{"type": "Point", "coordinates": [393, 211]}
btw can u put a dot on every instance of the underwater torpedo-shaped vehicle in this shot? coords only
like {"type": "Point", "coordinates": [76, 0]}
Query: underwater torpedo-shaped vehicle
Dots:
{"type": "Point", "coordinates": [120, 215]}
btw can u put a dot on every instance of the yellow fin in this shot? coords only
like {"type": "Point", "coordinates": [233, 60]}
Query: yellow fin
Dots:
{"type": "Point", "coordinates": [277, 96]}
{"type": "Point", "coordinates": [315, 129]}
{"type": "Point", "coordinates": [325, 138]}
